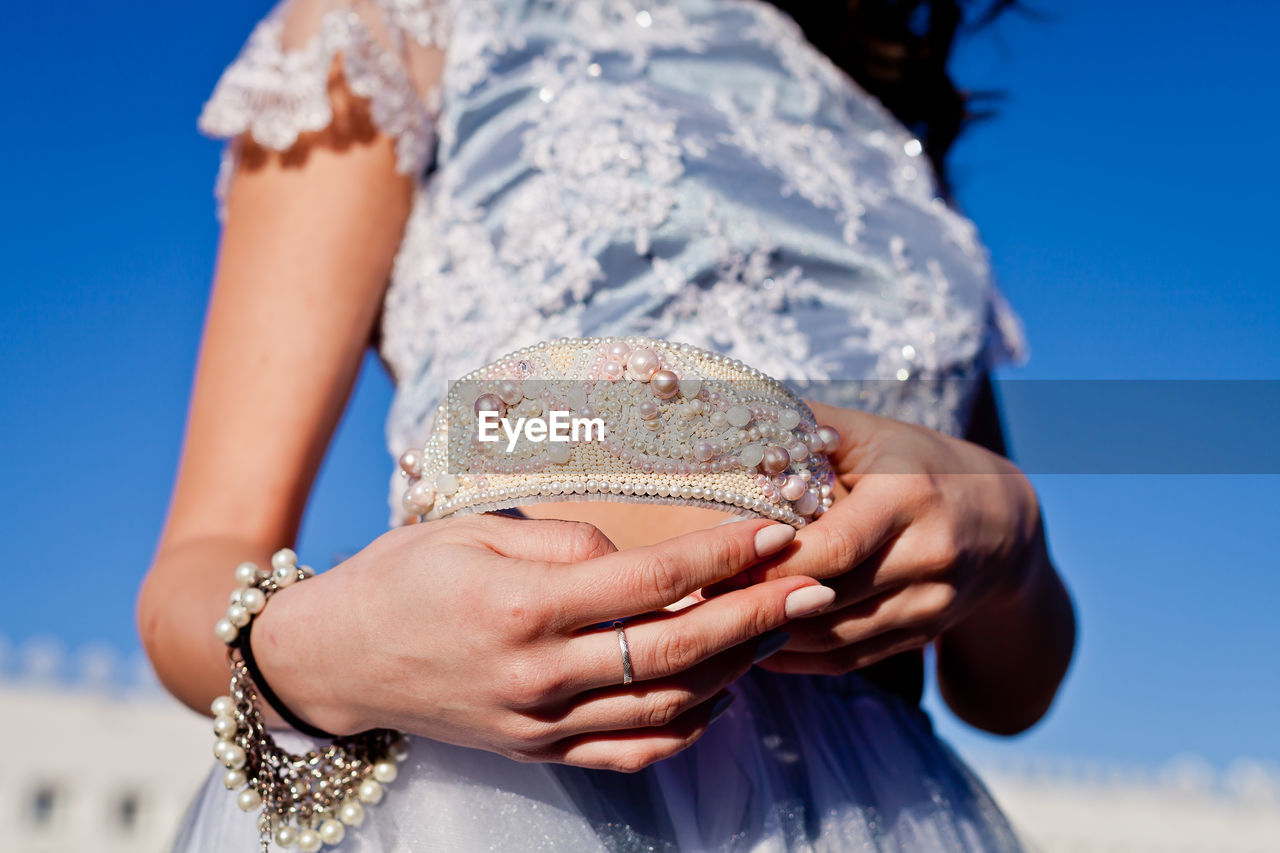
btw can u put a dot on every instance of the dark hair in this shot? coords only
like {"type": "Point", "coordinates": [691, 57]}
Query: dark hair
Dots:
{"type": "Point", "coordinates": [898, 51]}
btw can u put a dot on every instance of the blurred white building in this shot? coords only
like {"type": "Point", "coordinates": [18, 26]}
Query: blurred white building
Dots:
{"type": "Point", "coordinates": [90, 765]}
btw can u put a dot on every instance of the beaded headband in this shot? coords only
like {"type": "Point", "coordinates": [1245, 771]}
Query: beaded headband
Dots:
{"type": "Point", "coordinates": [623, 419]}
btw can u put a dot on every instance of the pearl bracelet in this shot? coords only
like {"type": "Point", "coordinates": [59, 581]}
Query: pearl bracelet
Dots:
{"type": "Point", "coordinates": [304, 800]}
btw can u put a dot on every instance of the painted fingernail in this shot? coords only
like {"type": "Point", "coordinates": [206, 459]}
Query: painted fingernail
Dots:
{"type": "Point", "coordinates": [773, 538]}
{"type": "Point", "coordinates": [722, 705]}
{"type": "Point", "coordinates": [770, 642]}
{"type": "Point", "coordinates": [808, 600]}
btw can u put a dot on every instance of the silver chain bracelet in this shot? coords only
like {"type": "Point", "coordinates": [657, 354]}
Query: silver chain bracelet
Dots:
{"type": "Point", "coordinates": [304, 800]}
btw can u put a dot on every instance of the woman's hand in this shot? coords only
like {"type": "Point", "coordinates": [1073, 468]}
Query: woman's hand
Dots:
{"type": "Point", "coordinates": [481, 631]}
{"type": "Point", "coordinates": [930, 538]}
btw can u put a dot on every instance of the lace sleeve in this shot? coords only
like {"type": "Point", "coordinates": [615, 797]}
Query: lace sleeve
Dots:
{"type": "Point", "coordinates": [1006, 340]}
{"type": "Point", "coordinates": [389, 52]}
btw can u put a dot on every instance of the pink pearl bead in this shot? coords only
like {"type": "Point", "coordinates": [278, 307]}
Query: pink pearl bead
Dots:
{"type": "Point", "coordinates": [703, 450]}
{"type": "Point", "coordinates": [812, 441]}
{"type": "Point", "coordinates": [793, 488]}
{"type": "Point", "coordinates": [618, 350]}
{"type": "Point", "coordinates": [490, 403]}
{"type": "Point", "coordinates": [830, 439]}
{"type": "Point", "coordinates": [411, 462]}
{"type": "Point", "coordinates": [665, 384]}
{"type": "Point", "coordinates": [612, 370]}
{"type": "Point", "coordinates": [642, 363]}
{"type": "Point", "coordinates": [798, 450]}
{"type": "Point", "coordinates": [807, 503]}
{"type": "Point", "coordinates": [776, 459]}
{"type": "Point", "coordinates": [648, 410]}
{"type": "Point", "coordinates": [510, 391]}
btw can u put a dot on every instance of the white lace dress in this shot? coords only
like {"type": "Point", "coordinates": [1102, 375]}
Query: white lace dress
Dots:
{"type": "Point", "coordinates": [687, 169]}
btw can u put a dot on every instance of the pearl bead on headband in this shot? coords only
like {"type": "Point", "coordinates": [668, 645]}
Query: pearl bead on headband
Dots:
{"type": "Point", "coordinates": [623, 419]}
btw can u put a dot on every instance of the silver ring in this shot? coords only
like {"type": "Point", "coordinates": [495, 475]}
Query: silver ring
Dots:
{"type": "Point", "coordinates": [626, 652]}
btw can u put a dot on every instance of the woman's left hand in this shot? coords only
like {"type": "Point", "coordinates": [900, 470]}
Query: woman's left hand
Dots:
{"type": "Point", "coordinates": [926, 531]}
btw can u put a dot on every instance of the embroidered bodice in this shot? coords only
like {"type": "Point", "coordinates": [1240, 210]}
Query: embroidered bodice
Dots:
{"type": "Point", "coordinates": [692, 170]}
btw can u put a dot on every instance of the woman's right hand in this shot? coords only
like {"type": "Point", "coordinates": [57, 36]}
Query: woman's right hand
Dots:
{"type": "Point", "coordinates": [481, 631]}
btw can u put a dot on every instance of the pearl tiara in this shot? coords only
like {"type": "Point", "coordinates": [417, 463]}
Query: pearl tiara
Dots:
{"type": "Point", "coordinates": [624, 419]}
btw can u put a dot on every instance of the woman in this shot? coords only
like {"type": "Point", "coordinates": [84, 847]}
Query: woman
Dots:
{"type": "Point", "coordinates": [695, 170]}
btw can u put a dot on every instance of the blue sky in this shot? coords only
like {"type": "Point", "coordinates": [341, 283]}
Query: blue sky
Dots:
{"type": "Point", "coordinates": [1126, 192]}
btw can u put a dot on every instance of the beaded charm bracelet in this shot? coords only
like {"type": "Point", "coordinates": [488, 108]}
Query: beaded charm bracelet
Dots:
{"type": "Point", "coordinates": [307, 800]}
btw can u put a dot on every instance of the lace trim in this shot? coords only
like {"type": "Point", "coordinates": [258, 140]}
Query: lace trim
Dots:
{"type": "Point", "coordinates": [275, 94]}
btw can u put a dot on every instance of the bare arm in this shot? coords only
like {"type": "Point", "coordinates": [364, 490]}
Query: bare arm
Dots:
{"type": "Point", "coordinates": [308, 244]}
{"type": "Point", "coordinates": [1000, 668]}
{"type": "Point", "coordinates": [377, 640]}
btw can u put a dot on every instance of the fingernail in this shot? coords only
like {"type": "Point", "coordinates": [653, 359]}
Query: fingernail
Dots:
{"type": "Point", "coordinates": [770, 642]}
{"type": "Point", "coordinates": [722, 705]}
{"type": "Point", "coordinates": [809, 599]}
{"type": "Point", "coordinates": [773, 538]}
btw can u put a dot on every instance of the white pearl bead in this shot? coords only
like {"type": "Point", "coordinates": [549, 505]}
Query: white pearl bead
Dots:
{"type": "Point", "coordinates": [420, 498]}
{"type": "Point", "coordinates": [224, 727]}
{"type": "Point", "coordinates": [220, 748]}
{"type": "Point", "coordinates": [351, 813]}
{"type": "Point", "coordinates": [223, 706]}
{"type": "Point", "coordinates": [285, 575]}
{"type": "Point", "coordinates": [246, 573]}
{"type": "Point", "coordinates": [447, 484]}
{"type": "Point", "coordinates": [690, 387]}
{"type": "Point", "coordinates": [233, 779]}
{"type": "Point", "coordinates": [284, 557]}
{"type": "Point", "coordinates": [332, 832]}
{"type": "Point", "coordinates": [253, 600]}
{"type": "Point", "coordinates": [739, 416]}
{"type": "Point", "coordinates": [751, 456]}
{"type": "Point", "coordinates": [309, 841]}
{"type": "Point", "coordinates": [233, 757]}
{"type": "Point", "coordinates": [370, 791]}
{"type": "Point", "coordinates": [237, 595]}
{"type": "Point", "coordinates": [788, 419]}
{"type": "Point", "coordinates": [248, 800]}
{"type": "Point", "coordinates": [226, 632]}
{"type": "Point", "coordinates": [286, 836]}
{"type": "Point", "coordinates": [237, 615]}
{"type": "Point", "coordinates": [385, 771]}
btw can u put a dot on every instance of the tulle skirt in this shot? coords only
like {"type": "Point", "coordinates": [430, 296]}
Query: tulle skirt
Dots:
{"type": "Point", "coordinates": [797, 763]}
